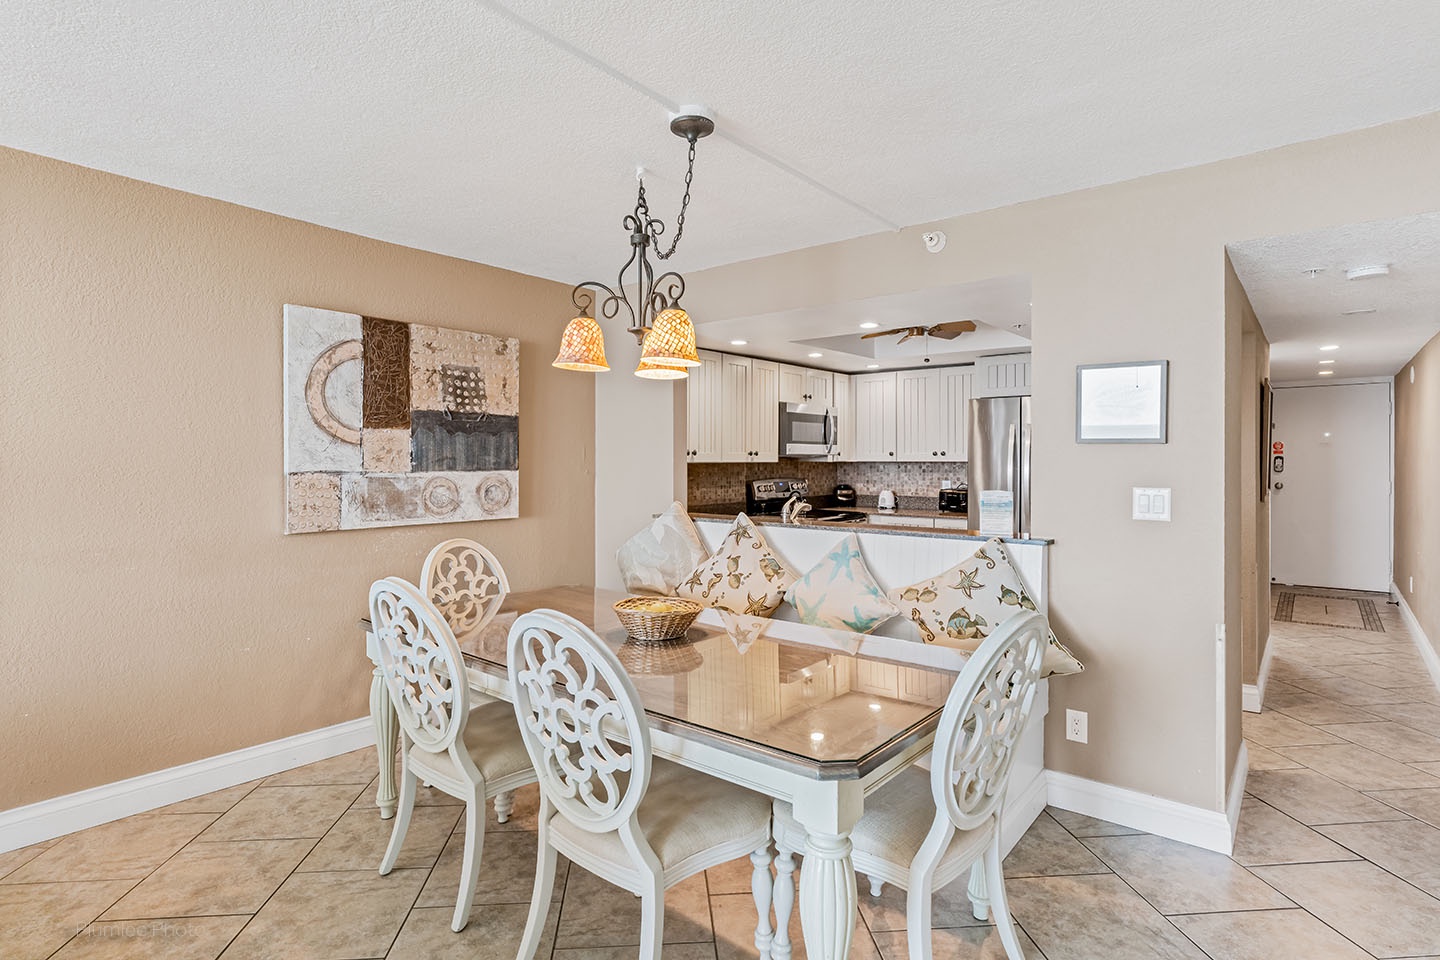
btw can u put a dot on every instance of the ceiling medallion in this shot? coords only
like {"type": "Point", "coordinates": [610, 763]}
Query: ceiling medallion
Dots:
{"type": "Point", "coordinates": [660, 325]}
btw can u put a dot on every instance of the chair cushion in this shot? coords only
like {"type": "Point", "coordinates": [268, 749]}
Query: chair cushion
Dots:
{"type": "Point", "coordinates": [840, 593]}
{"type": "Point", "coordinates": [743, 576]}
{"type": "Point", "coordinates": [897, 819]}
{"type": "Point", "coordinates": [492, 739]}
{"type": "Point", "coordinates": [962, 606]}
{"type": "Point", "coordinates": [662, 554]}
{"type": "Point", "coordinates": [684, 813]}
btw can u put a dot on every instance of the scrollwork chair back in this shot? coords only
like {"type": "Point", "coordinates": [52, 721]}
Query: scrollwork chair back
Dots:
{"type": "Point", "coordinates": [983, 720]}
{"type": "Point", "coordinates": [581, 721]}
{"type": "Point", "coordinates": [466, 583]}
{"type": "Point", "coordinates": [421, 660]}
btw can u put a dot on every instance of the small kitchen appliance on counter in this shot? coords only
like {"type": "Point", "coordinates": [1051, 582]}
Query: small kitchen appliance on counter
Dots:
{"type": "Point", "coordinates": [886, 500]}
{"type": "Point", "coordinates": [954, 500]}
{"type": "Point", "coordinates": [844, 495]}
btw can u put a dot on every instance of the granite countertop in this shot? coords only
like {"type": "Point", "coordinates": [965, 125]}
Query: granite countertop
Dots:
{"type": "Point", "coordinates": [727, 512]}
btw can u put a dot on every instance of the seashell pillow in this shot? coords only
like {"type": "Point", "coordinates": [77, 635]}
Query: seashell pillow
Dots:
{"type": "Point", "coordinates": [962, 606]}
{"type": "Point", "coordinates": [840, 593]}
{"type": "Point", "coordinates": [743, 576]}
{"type": "Point", "coordinates": [657, 558]}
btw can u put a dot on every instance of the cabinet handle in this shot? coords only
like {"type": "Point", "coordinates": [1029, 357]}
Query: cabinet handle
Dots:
{"type": "Point", "coordinates": [934, 453]}
{"type": "Point", "coordinates": [892, 453]}
{"type": "Point", "coordinates": [942, 453]}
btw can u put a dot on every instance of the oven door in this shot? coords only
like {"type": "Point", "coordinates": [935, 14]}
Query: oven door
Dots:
{"type": "Point", "coordinates": [807, 430]}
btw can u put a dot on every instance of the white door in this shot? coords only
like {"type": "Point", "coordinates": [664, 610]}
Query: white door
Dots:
{"type": "Point", "coordinates": [705, 406]}
{"type": "Point", "coordinates": [819, 387]}
{"type": "Point", "coordinates": [917, 415]}
{"type": "Point", "coordinates": [792, 384]}
{"type": "Point", "coordinates": [955, 389]}
{"type": "Point", "coordinates": [764, 411]}
{"type": "Point", "coordinates": [844, 402]}
{"type": "Point", "coordinates": [874, 412]}
{"type": "Point", "coordinates": [1330, 514]}
{"type": "Point", "coordinates": [734, 408]}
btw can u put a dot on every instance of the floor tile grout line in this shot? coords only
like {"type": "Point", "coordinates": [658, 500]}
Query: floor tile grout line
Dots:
{"type": "Point", "coordinates": [88, 923]}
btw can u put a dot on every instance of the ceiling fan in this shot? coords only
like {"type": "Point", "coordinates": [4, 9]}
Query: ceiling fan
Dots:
{"type": "Point", "coordinates": [948, 330]}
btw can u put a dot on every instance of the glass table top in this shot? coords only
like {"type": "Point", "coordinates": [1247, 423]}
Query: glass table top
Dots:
{"type": "Point", "coordinates": [834, 704]}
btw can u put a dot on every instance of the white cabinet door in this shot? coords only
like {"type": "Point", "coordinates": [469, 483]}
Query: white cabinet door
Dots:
{"type": "Point", "coordinates": [1003, 376]}
{"type": "Point", "coordinates": [764, 412]}
{"type": "Point", "coordinates": [704, 408]}
{"type": "Point", "coordinates": [792, 384]}
{"type": "Point", "coordinates": [844, 404]}
{"type": "Point", "coordinates": [874, 416]}
{"type": "Point", "coordinates": [819, 387]}
{"type": "Point", "coordinates": [955, 390]}
{"type": "Point", "coordinates": [734, 406]}
{"type": "Point", "coordinates": [917, 415]}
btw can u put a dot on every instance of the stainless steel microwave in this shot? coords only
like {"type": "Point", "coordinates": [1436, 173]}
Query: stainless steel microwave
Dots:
{"type": "Point", "coordinates": [807, 430]}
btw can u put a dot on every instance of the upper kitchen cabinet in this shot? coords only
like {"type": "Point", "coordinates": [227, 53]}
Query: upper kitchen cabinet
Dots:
{"type": "Point", "coordinates": [705, 406]}
{"type": "Point", "coordinates": [917, 415]}
{"type": "Point", "coordinates": [956, 388]}
{"type": "Point", "coordinates": [874, 416]}
{"type": "Point", "coordinates": [803, 385]}
{"type": "Point", "coordinates": [1003, 376]}
{"type": "Point", "coordinates": [844, 406]}
{"type": "Point", "coordinates": [749, 410]}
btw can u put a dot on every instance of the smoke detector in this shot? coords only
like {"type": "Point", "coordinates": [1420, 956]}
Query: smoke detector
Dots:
{"type": "Point", "coordinates": [934, 240]}
{"type": "Point", "coordinates": [1374, 270]}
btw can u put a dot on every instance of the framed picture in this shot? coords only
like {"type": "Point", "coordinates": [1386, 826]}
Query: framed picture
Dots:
{"type": "Point", "coordinates": [1122, 402]}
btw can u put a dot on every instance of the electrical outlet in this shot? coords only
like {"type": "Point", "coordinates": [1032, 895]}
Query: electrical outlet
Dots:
{"type": "Point", "coordinates": [1077, 726]}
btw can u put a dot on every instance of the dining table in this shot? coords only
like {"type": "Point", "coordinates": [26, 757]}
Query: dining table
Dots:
{"type": "Point", "coordinates": [819, 718]}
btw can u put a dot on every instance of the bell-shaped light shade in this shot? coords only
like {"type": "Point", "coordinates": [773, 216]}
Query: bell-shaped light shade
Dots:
{"type": "Point", "coordinates": [671, 341]}
{"type": "Point", "coordinates": [582, 347]}
{"type": "Point", "coordinates": [660, 371]}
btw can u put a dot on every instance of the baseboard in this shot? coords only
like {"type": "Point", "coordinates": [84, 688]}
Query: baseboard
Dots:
{"type": "Point", "coordinates": [1022, 810]}
{"type": "Point", "coordinates": [45, 819]}
{"type": "Point", "coordinates": [1427, 649]}
{"type": "Point", "coordinates": [1209, 829]}
{"type": "Point", "coordinates": [1252, 695]}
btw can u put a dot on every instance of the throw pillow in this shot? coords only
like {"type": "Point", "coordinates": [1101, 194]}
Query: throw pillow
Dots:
{"type": "Point", "coordinates": [962, 606]}
{"type": "Point", "coordinates": [662, 554]}
{"type": "Point", "coordinates": [743, 575]}
{"type": "Point", "coordinates": [840, 593]}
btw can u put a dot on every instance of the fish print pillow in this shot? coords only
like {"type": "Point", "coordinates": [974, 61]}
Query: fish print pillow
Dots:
{"type": "Point", "coordinates": [657, 558]}
{"type": "Point", "coordinates": [962, 606]}
{"type": "Point", "coordinates": [743, 575]}
{"type": "Point", "coordinates": [840, 593]}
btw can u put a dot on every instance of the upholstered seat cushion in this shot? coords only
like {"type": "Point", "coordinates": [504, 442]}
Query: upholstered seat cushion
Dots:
{"type": "Point", "coordinates": [897, 818]}
{"type": "Point", "coordinates": [492, 738]}
{"type": "Point", "coordinates": [684, 813]}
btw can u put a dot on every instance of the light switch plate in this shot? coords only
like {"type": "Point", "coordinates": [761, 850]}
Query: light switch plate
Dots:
{"type": "Point", "coordinates": [1150, 503]}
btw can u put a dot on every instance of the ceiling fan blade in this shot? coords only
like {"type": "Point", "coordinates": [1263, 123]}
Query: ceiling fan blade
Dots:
{"type": "Point", "coordinates": [908, 335]}
{"type": "Point", "coordinates": [885, 333]}
{"type": "Point", "coordinates": [952, 329]}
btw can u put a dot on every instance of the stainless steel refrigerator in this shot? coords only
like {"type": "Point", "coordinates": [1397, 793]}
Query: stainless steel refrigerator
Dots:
{"type": "Point", "coordinates": [999, 435]}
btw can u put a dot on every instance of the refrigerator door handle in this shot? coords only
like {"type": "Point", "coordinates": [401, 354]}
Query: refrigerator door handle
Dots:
{"type": "Point", "coordinates": [1010, 460]}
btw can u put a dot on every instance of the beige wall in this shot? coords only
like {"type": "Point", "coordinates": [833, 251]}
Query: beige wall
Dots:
{"type": "Point", "coordinates": [1254, 553]}
{"type": "Point", "coordinates": [1417, 480]}
{"type": "Point", "coordinates": [153, 611]}
{"type": "Point", "coordinates": [1133, 271]}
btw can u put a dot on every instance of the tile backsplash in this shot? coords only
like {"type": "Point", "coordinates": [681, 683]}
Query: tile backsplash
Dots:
{"type": "Point", "coordinates": [713, 483]}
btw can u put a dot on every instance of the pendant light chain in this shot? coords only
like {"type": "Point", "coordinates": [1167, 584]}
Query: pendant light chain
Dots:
{"type": "Point", "coordinates": [656, 227]}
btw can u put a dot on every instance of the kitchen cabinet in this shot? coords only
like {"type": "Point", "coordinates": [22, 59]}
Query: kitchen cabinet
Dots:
{"type": "Point", "coordinates": [1003, 376]}
{"type": "Point", "coordinates": [953, 432]}
{"type": "Point", "coordinates": [803, 385]}
{"type": "Point", "coordinates": [704, 408]}
{"type": "Point", "coordinates": [874, 416]}
{"type": "Point", "coordinates": [819, 387]}
{"type": "Point", "coordinates": [844, 404]}
{"type": "Point", "coordinates": [889, 521]}
{"type": "Point", "coordinates": [750, 411]}
{"type": "Point", "coordinates": [917, 412]}
{"type": "Point", "coordinates": [792, 384]}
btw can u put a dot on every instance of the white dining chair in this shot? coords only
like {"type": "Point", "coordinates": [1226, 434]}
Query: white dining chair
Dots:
{"type": "Point", "coordinates": [466, 583]}
{"type": "Point", "coordinates": [470, 753]}
{"type": "Point", "coordinates": [644, 824]}
{"type": "Point", "coordinates": [925, 829]}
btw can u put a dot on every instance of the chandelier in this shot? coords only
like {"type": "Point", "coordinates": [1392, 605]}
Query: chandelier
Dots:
{"type": "Point", "coordinates": [660, 325]}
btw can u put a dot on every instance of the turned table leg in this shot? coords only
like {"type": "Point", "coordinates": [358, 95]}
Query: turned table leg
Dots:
{"type": "Point", "coordinates": [829, 900]}
{"type": "Point", "coordinates": [387, 729]}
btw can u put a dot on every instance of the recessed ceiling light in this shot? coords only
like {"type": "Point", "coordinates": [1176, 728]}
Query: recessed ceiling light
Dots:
{"type": "Point", "coordinates": [1331, 346]}
{"type": "Point", "coordinates": [814, 356]}
{"type": "Point", "coordinates": [1372, 270]}
{"type": "Point", "coordinates": [872, 366]}
{"type": "Point", "coordinates": [869, 325]}
{"type": "Point", "coordinates": [1326, 361]}
{"type": "Point", "coordinates": [738, 343]}
{"type": "Point", "coordinates": [1357, 312]}
{"type": "Point", "coordinates": [1327, 373]}
{"type": "Point", "coordinates": [817, 736]}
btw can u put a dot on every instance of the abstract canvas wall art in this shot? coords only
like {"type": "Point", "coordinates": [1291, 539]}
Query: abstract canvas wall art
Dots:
{"type": "Point", "coordinates": [390, 423]}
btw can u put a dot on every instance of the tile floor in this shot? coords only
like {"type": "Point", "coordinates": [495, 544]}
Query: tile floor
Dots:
{"type": "Point", "coordinates": [1338, 857]}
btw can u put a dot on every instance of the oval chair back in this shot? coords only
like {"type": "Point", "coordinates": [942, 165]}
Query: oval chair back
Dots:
{"type": "Point", "coordinates": [420, 659]}
{"type": "Point", "coordinates": [466, 583]}
{"type": "Point", "coordinates": [983, 720]}
{"type": "Point", "coordinates": [581, 721]}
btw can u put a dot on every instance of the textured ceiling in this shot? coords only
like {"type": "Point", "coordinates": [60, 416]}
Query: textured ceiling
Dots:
{"type": "Point", "coordinates": [508, 134]}
{"type": "Point", "coordinates": [1301, 313]}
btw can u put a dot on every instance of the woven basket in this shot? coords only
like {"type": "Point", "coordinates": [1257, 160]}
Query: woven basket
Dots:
{"type": "Point", "coordinates": [656, 618]}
